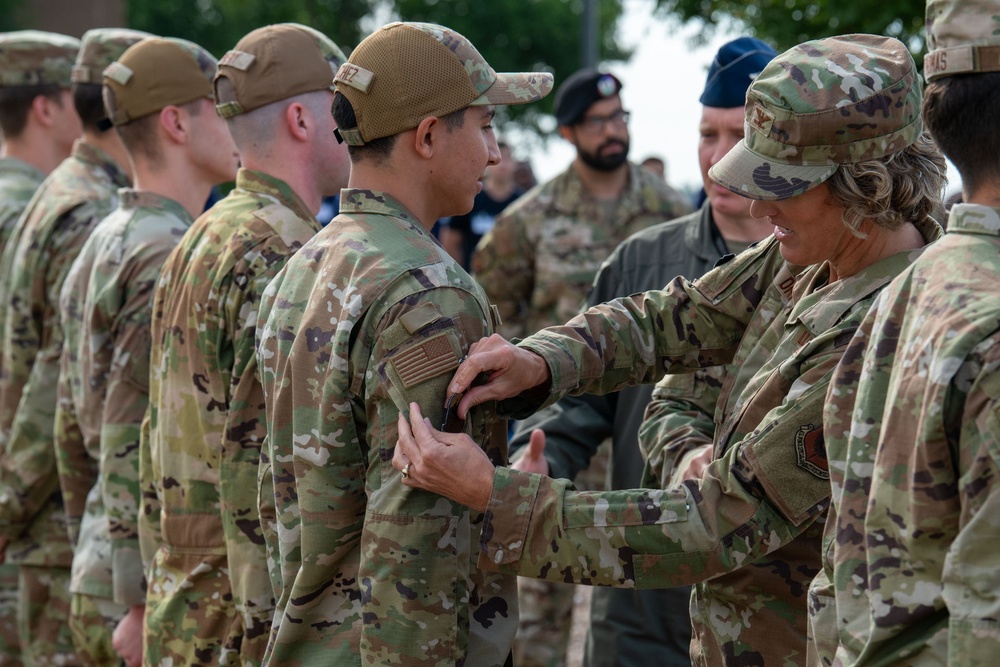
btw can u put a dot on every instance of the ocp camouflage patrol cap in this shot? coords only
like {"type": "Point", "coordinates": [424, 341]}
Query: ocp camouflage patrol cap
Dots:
{"type": "Point", "coordinates": [823, 103]}
{"type": "Point", "coordinates": [405, 72]}
{"type": "Point", "coordinates": [277, 62]}
{"type": "Point", "coordinates": [155, 73]}
{"type": "Point", "coordinates": [963, 36]}
{"type": "Point", "coordinates": [36, 58]}
{"type": "Point", "coordinates": [100, 48]}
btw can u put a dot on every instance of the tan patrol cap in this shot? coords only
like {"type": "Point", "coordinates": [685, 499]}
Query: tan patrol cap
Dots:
{"type": "Point", "coordinates": [277, 62]}
{"type": "Point", "coordinates": [963, 37]}
{"type": "Point", "coordinates": [36, 58]}
{"type": "Point", "coordinates": [405, 72]}
{"type": "Point", "coordinates": [156, 73]}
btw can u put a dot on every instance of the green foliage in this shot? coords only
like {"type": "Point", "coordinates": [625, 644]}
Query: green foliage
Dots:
{"type": "Point", "coordinates": [513, 35]}
{"type": "Point", "coordinates": [523, 35]}
{"type": "Point", "coordinates": [785, 23]}
{"type": "Point", "coordinates": [218, 24]}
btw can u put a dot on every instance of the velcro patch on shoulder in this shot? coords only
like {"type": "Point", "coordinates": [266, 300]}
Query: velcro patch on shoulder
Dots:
{"type": "Point", "coordinates": [789, 461]}
{"type": "Point", "coordinates": [429, 359]}
{"type": "Point", "coordinates": [418, 318]}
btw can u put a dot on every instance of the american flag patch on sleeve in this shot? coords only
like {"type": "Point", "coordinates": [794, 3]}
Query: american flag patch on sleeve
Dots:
{"type": "Point", "coordinates": [424, 361]}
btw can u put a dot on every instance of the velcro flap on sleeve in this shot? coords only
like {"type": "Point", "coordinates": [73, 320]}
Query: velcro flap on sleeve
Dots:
{"type": "Point", "coordinates": [418, 318]}
{"type": "Point", "coordinates": [790, 464]}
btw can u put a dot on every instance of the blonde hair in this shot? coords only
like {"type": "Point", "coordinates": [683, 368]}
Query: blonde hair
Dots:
{"type": "Point", "coordinates": [891, 191]}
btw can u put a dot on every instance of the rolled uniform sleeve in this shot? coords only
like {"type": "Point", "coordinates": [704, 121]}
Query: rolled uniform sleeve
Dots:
{"type": "Point", "coordinates": [678, 425]}
{"type": "Point", "coordinates": [749, 502]}
{"type": "Point", "coordinates": [636, 340]}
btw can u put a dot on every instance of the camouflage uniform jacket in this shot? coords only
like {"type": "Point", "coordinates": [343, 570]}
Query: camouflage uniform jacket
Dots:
{"type": "Point", "coordinates": [201, 449]}
{"type": "Point", "coordinates": [18, 182]}
{"type": "Point", "coordinates": [538, 261]}
{"type": "Point", "coordinates": [73, 199]}
{"type": "Point", "coordinates": [369, 316]}
{"type": "Point", "coordinates": [760, 502]}
{"type": "Point", "coordinates": [576, 425]}
{"type": "Point", "coordinates": [913, 435]}
{"type": "Point", "coordinates": [106, 305]}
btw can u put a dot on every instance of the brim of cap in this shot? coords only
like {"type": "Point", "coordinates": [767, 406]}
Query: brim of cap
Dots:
{"type": "Point", "coordinates": [516, 88]}
{"type": "Point", "coordinates": [754, 176]}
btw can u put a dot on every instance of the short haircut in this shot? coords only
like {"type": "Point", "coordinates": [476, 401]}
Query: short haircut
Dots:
{"type": "Point", "coordinates": [139, 136]}
{"type": "Point", "coordinates": [379, 150]}
{"type": "Point", "coordinates": [961, 114]}
{"type": "Point", "coordinates": [253, 131]}
{"type": "Point", "coordinates": [89, 103]}
{"type": "Point", "coordinates": [15, 103]}
{"type": "Point", "coordinates": [893, 190]}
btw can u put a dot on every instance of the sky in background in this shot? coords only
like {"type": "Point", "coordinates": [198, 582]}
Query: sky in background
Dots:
{"type": "Point", "coordinates": [660, 86]}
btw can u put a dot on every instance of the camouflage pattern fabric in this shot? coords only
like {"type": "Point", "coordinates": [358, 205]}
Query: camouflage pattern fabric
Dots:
{"type": "Point", "coordinates": [43, 245]}
{"type": "Point", "coordinates": [43, 612]}
{"type": "Point", "coordinates": [18, 182]}
{"type": "Point", "coordinates": [912, 420]}
{"type": "Point", "coordinates": [537, 265]}
{"type": "Point", "coordinates": [538, 261]}
{"type": "Point", "coordinates": [783, 329]}
{"type": "Point", "coordinates": [820, 104]}
{"type": "Point", "coordinates": [92, 622]}
{"type": "Point", "coordinates": [106, 312]}
{"type": "Point", "coordinates": [209, 598]}
{"type": "Point", "coordinates": [630, 628]}
{"type": "Point", "coordinates": [36, 58]}
{"type": "Point", "coordinates": [368, 316]}
{"type": "Point", "coordinates": [10, 644]}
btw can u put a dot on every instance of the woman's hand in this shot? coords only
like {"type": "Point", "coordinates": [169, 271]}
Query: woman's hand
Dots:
{"type": "Point", "coordinates": [449, 464]}
{"type": "Point", "coordinates": [509, 371]}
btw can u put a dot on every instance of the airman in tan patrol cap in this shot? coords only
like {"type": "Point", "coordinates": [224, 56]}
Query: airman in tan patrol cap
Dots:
{"type": "Point", "coordinates": [42, 246]}
{"type": "Point", "coordinates": [159, 97]}
{"type": "Point", "coordinates": [201, 450]}
{"type": "Point", "coordinates": [370, 314]}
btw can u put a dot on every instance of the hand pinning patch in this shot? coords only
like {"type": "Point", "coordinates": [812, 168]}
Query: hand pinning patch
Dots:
{"type": "Point", "coordinates": [810, 449]}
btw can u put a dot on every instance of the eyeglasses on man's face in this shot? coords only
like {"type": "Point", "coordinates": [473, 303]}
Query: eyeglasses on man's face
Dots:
{"type": "Point", "coordinates": [594, 124]}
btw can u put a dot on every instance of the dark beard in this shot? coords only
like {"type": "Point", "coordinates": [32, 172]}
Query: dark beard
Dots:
{"type": "Point", "coordinates": [605, 162]}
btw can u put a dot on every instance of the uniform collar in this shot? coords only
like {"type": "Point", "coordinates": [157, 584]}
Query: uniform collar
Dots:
{"type": "Point", "coordinates": [568, 192]}
{"type": "Point", "coordinates": [94, 156]}
{"type": "Point", "coordinates": [974, 219]}
{"type": "Point", "coordinates": [15, 165]}
{"type": "Point", "coordinates": [377, 202]}
{"type": "Point", "coordinates": [258, 182]}
{"type": "Point", "coordinates": [129, 199]}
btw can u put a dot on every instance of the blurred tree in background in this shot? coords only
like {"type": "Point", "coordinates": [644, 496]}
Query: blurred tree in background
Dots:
{"type": "Point", "coordinates": [785, 23]}
{"type": "Point", "coordinates": [218, 24]}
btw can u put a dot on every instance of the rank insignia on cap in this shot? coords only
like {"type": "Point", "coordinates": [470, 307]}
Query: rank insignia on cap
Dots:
{"type": "Point", "coordinates": [810, 448]}
{"type": "Point", "coordinates": [761, 119]}
{"type": "Point", "coordinates": [606, 86]}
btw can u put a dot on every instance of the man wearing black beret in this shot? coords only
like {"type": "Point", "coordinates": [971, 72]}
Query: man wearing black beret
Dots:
{"type": "Point", "coordinates": [537, 265]}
